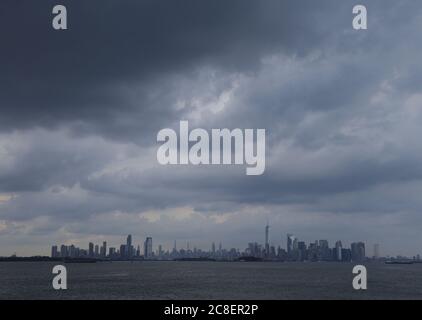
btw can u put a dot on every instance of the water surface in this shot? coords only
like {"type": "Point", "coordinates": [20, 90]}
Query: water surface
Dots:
{"type": "Point", "coordinates": [209, 280]}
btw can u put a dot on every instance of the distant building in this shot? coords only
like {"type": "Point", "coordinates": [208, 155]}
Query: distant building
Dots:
{"type": "Point", "coordinates": [313, 251]}
{"type": "Point", "coordinates": [54, 252]}
{"type": "Point", "coordinates": [358, 251]}
{"type": "Point", "coordinates": [129, 248]}
{"type": "Point", "coordinates": [103, 251]}
{"type": "Point", "coordinates": [91, 249]}
{"type": "Point", "coordinates": [63, 251]}
{"type": "Point", "coordinates": [72, 251]}
{"type": "Point", "coordinates": [346, 255]}
{"type": "Point", "coordinates": [148, 248]}
{"type": "Point", "coordinates": [290, 241]}
{"type": "Point", "coordinates": [324, 251]}
{"type": "Point", "coordinates": [272, 252]}
{"type": "Point", "coordinates": [175, 247]}
{"type": "Point", "coordinates": [267, 241]}
{"type": "Point", "coordinates": [123, 251]}
{"type": "Point", "coordinates": [302, 252]}
{"type": "Point", "coordinates": [376, 251]}
{"type": "Point", "coordinates": [337, 251]}
{"type": "Point", "coordinates": [254, 250]}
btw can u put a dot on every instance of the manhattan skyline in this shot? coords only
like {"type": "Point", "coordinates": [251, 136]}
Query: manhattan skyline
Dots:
{"type": "Point", "coordinates": [292, 248]}
{"type": "Point", "coordinates": [276, 238]}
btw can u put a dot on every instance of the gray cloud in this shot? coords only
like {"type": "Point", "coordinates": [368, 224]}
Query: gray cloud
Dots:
{"type": "Point", "coordinates": [80, 111]}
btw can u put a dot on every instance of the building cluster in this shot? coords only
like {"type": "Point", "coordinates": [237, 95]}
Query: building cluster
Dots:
{"type": "Point", "coordinates": [126, 251]}
{"type": "Point", "coordinates": [295, 251]}
{"type": "Point", "coordinates": [316, 251]}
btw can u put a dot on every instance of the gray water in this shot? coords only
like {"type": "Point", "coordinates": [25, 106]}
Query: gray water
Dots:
{"type": "Point", "coordinates": [209, 280]}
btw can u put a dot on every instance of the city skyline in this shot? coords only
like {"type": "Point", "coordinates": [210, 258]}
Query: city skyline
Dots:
{"type": "Point", "coordinates": [294, 249]}
{"type": "Point", "coordinates": [268, 240]}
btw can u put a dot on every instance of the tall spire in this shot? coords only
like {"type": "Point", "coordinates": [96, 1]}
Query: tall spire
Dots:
{"type": "Point", "coordinates": [267, 244]}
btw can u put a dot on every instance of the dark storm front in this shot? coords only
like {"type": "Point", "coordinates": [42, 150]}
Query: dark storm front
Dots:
{"type": "Point", "coordinates": [209, 280]}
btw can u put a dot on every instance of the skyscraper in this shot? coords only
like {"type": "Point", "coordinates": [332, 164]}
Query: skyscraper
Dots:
{"type": "Point", "coordinates": [358, 251]}
{"type": "Point", "coordinates": [63, 251]}
{"type": "Point", "coordinates": [267, 243]}
{"type": "Point", "coordinates": [54, 252]}
{"type": "Point", "coordinates": [324, 251]}
{"type": "Point", "coordinates": [290, 240]}
{"type": "Point", "coordinates": [103, 250]}
{"type": "Point", "coordinates": [302, 252]}
{"type": "Point", "coordinates": [346, 254]}
{"type": "Point", "coordinates": [129, 248]}
{"type": "Point", "coordinates": [91, 249]}
{"type": "Point", "coordinates": [123, 251]}
{"type": "Point", "coordinates": [72, 251]}
{"type": "Point", "coordinates": [376, 251]}
{"type": "Point", "coordinates": [148, 248]}
{"type": "Point", "coordinates": [338, 251]}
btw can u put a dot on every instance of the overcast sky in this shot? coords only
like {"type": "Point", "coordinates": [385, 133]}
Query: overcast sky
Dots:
{"type": "Point", "coordinates": [80, 111]}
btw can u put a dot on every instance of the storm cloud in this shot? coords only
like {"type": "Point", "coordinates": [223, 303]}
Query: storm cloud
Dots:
{"type": "Point", "coordinates": [80, 110]}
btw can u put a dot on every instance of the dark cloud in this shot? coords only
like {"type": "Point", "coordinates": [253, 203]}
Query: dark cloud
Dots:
{"type": "Point", "coordinates": [84, 73]}
{"type": "Point", "coordinates": [80, 110]}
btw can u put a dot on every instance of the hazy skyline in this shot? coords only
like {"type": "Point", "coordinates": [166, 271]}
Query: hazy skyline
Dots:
{"type": "Point", "coordinates": [80, 110]}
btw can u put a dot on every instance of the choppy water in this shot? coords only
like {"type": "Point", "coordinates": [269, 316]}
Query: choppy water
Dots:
{"type": "Point", "coordinates": [209, 280]}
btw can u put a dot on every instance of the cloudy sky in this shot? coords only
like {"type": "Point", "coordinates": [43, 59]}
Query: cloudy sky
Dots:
{"type": "Point", "coordinates": [80, 111]}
